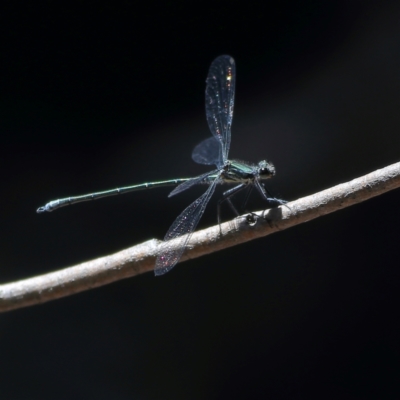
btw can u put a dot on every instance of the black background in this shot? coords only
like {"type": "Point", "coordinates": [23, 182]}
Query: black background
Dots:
{"type": "Point", "coordinates": [98, 95]}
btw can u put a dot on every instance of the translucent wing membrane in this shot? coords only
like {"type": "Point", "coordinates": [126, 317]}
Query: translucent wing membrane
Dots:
{"type": "Point", "coordinates": [208, 152]}
{"type": "Point", "coordinates": [183, 228]}
{"type": "Point", "coordinates": [194, 181]}
{"type": "Point", "coordinates": [220, 97]}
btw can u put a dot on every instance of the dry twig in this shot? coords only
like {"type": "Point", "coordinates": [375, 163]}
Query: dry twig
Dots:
{"type": "Point", "coordinates": [139, 259]}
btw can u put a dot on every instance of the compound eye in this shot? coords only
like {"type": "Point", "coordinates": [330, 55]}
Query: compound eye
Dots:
{"type": "Point", "coordinates": [266, 169]}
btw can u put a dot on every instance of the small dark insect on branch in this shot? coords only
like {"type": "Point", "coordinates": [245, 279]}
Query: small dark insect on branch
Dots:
{"type": "Point", "coordinates": [141, 258]}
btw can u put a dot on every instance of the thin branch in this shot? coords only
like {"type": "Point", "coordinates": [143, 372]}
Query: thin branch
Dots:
{"type": "Point", "coordinates": [141, 258]}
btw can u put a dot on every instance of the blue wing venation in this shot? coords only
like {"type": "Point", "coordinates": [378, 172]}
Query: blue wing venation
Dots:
{"type": "Point", "coordinates": [208, 152]}
{"type": "Point", "coordinates": [220, 98]}
{"type": "Point", "coordinates": [194, 181]}
{"type": "Point", "coordinates": [183, 227]}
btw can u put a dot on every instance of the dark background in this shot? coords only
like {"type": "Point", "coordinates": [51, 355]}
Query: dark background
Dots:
{"type": "Point", "coordinates": [100, 95]}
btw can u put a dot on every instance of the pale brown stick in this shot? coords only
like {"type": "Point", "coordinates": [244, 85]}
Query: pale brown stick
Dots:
{"type": "Point", "coordinates": [141, 258]}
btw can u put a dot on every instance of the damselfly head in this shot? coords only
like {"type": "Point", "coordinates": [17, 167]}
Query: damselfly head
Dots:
{"type": "Point", "coordinates": [266, 169]}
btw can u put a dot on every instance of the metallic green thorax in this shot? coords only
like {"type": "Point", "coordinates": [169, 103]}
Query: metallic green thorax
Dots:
{"type": "Point", "coordinates": [239, 171]}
